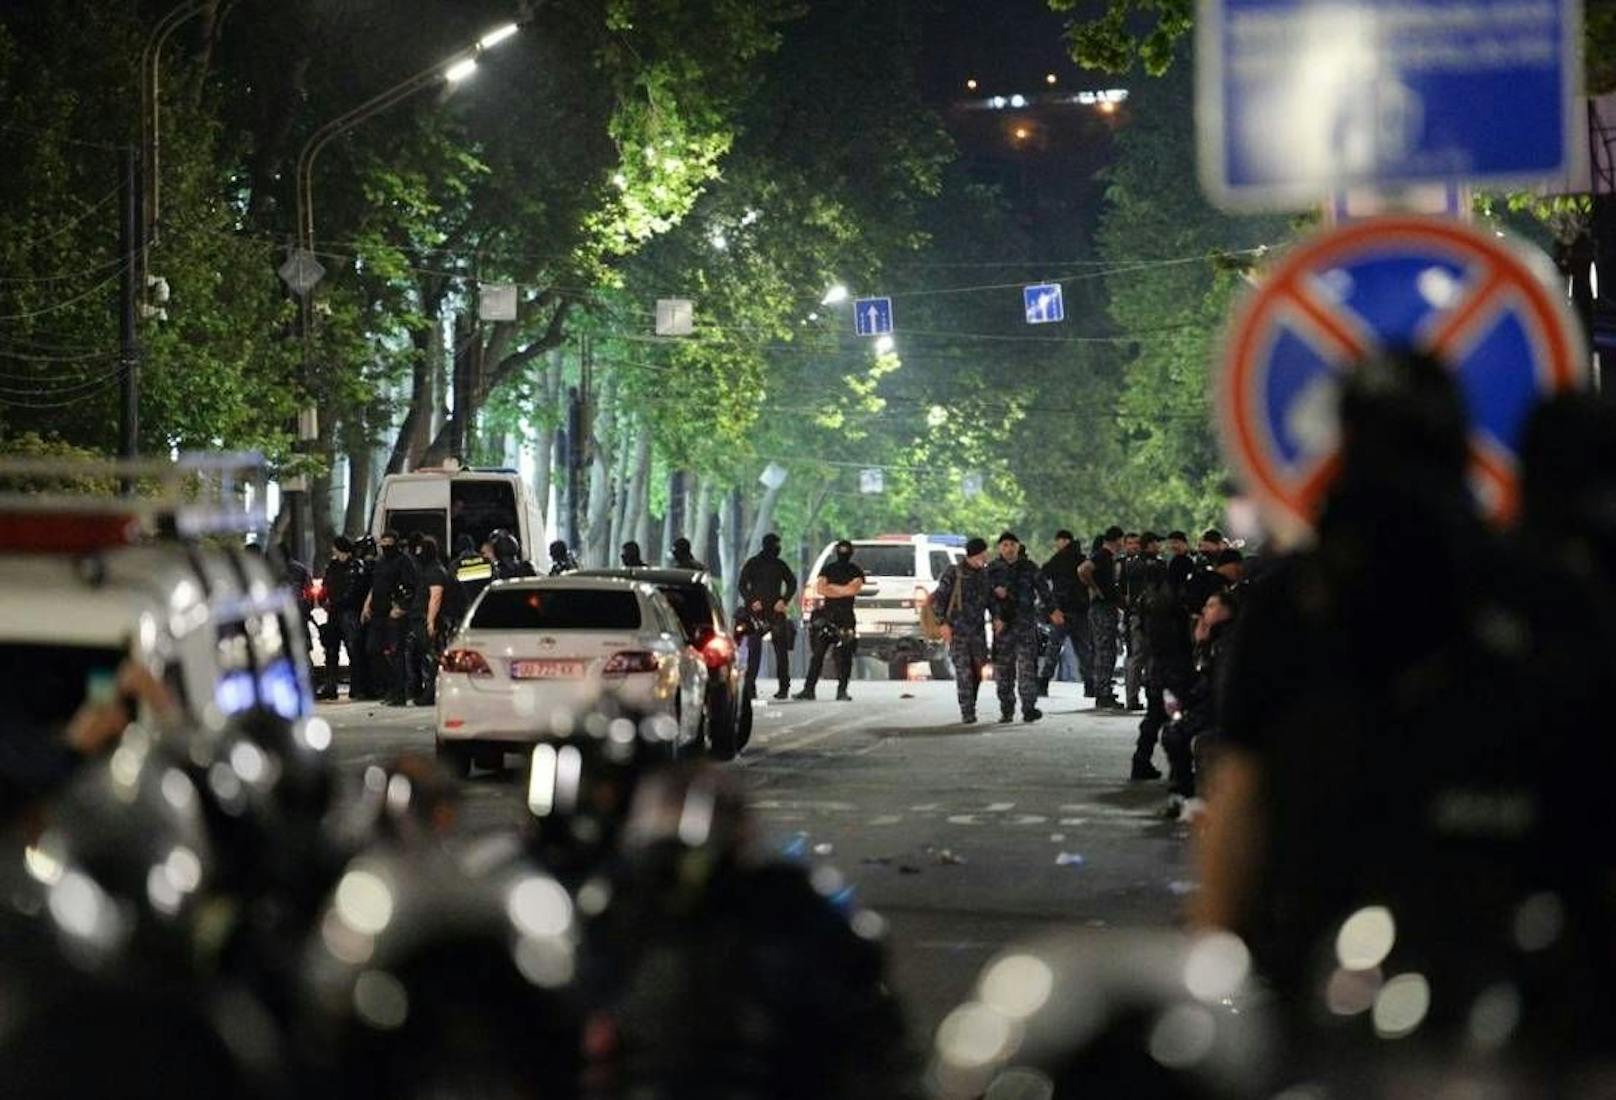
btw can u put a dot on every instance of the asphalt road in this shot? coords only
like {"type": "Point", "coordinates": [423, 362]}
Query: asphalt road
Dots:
{"type": "Point", "coordinates": [965, 839]}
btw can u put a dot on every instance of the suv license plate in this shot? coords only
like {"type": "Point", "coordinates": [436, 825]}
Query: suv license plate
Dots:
{"type": "Point", "coordinates": [547, 670]}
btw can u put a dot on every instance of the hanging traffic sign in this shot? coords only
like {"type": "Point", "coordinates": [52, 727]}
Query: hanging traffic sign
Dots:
{"type": "Point", "coordinates": [1474, 302]}
{"type": "Point", "coordinates": [872, 481]}
{"type": "Point", "coordinates": [675, 317]}
{"type": "Point", "coordinates": [1043, 303]}
{"type": "Point", "coordinates": [301, 272]}
{"type": "Point", "coordinates": [1297, 97]}
{"type": "Point", "coordinates": [872, 316]}
{"type": "Point", "coordinates": [496, 302]}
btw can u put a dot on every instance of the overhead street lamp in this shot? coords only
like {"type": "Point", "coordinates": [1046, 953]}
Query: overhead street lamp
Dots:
{"type": "Point", "coordinates": [302, 272]}
{"type": "Point", "coordinates": [452, 70]}
{"type": "Point", "coordinates": [834, 296]}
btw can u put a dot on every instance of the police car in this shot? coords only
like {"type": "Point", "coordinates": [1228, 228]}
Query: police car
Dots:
{"type": "Point", "coordinates": [901, 572]}
{"type": "Point", "coordinates": [90, 579]}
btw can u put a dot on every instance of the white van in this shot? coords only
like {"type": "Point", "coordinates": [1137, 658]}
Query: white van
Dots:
{"type": "Point", "coordinates": [447, 502]}
{"type": "Point", "coordinates": [901, 572]}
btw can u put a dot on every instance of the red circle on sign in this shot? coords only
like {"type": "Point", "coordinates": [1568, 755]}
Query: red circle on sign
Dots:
{"type": "Point", "coordinates": [1499, 281]}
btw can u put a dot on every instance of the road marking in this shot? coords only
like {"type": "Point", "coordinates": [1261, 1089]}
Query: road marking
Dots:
{"type": "Point", "coordinates": [886, 819]}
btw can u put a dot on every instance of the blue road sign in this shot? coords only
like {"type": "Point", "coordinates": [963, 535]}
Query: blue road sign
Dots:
{"type": "Point", "coordinates": [1296, 97]}
{"type": "Point", "coordinates": [1043, 303]}
{"type": "Point", "coordinates": [1390, 285]}
{"type": "Point", "coordinates": [872, 316]}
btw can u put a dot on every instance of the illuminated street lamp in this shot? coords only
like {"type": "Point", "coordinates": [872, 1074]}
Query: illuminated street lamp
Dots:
{"type": "Point", "coordinates": [834, 296]}
{"type": "Point", "coordinates": [971, 84]}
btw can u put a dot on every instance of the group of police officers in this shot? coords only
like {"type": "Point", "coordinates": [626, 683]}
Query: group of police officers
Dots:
{"type": "Point", "coordinates": [392, 603]}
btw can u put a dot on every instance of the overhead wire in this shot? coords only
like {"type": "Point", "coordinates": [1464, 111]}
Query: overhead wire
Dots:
{"type": "Point", "coordinates": [71, 223]}
{"type": "Point", "coordinates": [68, 303]}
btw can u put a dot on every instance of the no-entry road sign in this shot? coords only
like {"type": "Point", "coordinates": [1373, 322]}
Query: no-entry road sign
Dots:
{"type": "Point", "coordinates": [1475, 302]}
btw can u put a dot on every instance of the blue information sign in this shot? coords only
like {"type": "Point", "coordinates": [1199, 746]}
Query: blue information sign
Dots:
{"type": "Point", "coordinates": [1297, 97]}
{"type": "Point", "coordinates": [1043, 303]}
{"type": "Point", "coordinates": [872, 316]}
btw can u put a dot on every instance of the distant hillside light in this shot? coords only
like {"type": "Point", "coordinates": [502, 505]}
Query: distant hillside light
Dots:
{"type": "Point", "coordinates": [970, 83]}
{"type": "Point", "coordinates": [1051, 79]}
{"type": "Point", "coordinates": [460, 70]}
{"type": "Point", "coordinates": [1018, 100]}
{"type": "Point", "coordinates": [1021, 133]}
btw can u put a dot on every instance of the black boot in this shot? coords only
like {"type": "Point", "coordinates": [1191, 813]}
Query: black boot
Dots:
{"type": "Point", "coordinates": [806, 694]}
{"type": "Point", "coordinates": [842, 696]}
{"type": "Point", "coordinates": [1143, 770]}
{"type": "Point", "coordinates": [784, 692]}
{"type": "Point", "coordinates": [1031, 714]}
{"type": "Point", "coordinates": [1043, 687]}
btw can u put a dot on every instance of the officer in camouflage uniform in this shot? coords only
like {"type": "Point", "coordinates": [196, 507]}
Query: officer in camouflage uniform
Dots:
{"type": "Point", "coordinates": [961, 604]}
{"type": "Point", "coordinates": [1020, 590]}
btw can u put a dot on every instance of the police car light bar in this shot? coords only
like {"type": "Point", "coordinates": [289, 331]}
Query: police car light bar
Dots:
{"type": "Point", "coordinates": [74, 500]}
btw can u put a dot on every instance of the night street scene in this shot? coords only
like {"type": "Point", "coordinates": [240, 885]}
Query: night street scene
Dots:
{"type": "Point", "coordinates": [807, 549]}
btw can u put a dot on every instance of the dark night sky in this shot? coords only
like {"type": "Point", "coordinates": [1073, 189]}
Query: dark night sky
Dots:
{"type": "Point", "coordinates": [1008, 45]}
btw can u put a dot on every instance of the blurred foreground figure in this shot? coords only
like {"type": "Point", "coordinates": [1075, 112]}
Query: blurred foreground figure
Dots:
{"type": "Point", "coordinates": [1398, 825]}
{"type": "Point", "coordinates": [1108, 1014]}
{"type": "Point", "coordinates": [725, 973]}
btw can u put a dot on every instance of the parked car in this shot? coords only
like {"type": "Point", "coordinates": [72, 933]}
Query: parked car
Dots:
{"type": "Point", "coordinates": [532, 649]}
{"type": "Point", "coordinates": [729, 716]}
{"type": "Point", "coordinates": [901, 572]}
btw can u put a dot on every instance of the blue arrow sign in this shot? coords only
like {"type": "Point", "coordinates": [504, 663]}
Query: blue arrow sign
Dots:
{"type": "Point", "coordinates": [1297, 97]}
{"type": "Point", "coordinates": [1043, 304]}
{"type": "Point", "coordinates": [872, 316]}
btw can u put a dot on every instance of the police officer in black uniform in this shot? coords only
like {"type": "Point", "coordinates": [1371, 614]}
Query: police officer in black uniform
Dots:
{"type": "Point", "coordinates": [342, 597]}
{"type": "Point", "coordinates": [767, 585]}
{"type": "Point", "coordinates": [1061, 572]}
{"type": "Point", "coordinates": [834, 623]}
{"type": "Point", "coordinates": [392, 586]}
{"type": "Point", "coordinates": [425, 636]}
{"type": "Point", "coordinates": [683, 558]}
{"type": "Point", "coordinates": [561, 559]}
{"type": "Point", "coordinates": [631, 556]}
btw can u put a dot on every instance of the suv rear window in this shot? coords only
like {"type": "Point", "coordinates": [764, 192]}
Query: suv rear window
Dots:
{"type": "Point", "coordinates": [886, 560]}
{"type": "Point", "coordinates": [557, 609]}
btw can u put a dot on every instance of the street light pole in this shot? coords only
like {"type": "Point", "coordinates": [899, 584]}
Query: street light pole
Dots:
{"type": "Point", "coordinates": [451, 70]}
{"type": "Point", "coordinates": [150, 116]}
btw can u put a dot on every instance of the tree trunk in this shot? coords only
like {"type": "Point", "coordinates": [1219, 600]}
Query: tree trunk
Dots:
{"type": "Point", "coordinates": [729, 521]}
{"type": "Point", "coordinates": [415, 431]}
{"type": "Point", "coordinates": [765, 516]}
{"type": "Point", "coordinates": [643, 525]}
{"type": "Point", "coordinates": [701, 521]}
{"type": "Point", "coordinates": [320, 489]}
{"type": "Point", "coordinates": [634, 498]}
{"type": "Point", "coordinates": [598, 530]}
{"type": "Point", "coordinates": [545, 434]}
{"type": "Point", "coordinates": [356, 517]}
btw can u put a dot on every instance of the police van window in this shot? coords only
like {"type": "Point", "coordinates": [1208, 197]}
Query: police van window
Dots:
{"type": "Point", "coordinates": [557, 609]}
{"type": "Point", "coordinates": [894, 560]}
{"type": "Point", "coordinates": [478, 508]}
{"type": "Point", "coordinates": [416, 521]}
{"type": "Point", "coordinates": [939, 563]}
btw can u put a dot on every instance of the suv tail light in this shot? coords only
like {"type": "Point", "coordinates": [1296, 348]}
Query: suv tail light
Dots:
{"type": "Point", "coordinates": [718, 651]}
{"type": "Point", "coordinates": [467, 661]}
{"type": "Point", "coordinates": [630, 660]}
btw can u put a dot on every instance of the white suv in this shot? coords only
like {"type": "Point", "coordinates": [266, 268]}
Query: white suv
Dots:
{"type": "Point", "coordinates": [901, 572]}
